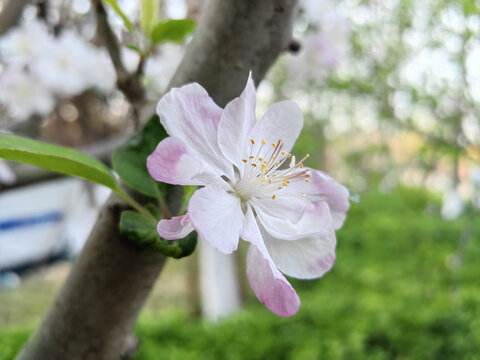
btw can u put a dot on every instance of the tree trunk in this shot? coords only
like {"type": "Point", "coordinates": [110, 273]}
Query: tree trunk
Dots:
{"type": "Point", "coordinates": [94, 315]}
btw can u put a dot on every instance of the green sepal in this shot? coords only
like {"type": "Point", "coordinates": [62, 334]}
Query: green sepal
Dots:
{"type": "Point", "coordinates": [143, 232]}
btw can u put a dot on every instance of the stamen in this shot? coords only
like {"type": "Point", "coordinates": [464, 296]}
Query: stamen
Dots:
{"type": "Point", "coordinates": [251, 157]}
{"type": "Point", "coordinates": [273, 197]}
{"type": "Point", "coordinates": [263, 142]}
{"type": "Point", "coordinates": [244, 160]}
{"type": "Point", "coordinates": [254, 165]}
{"type": "Point", "coordinates": [252, 141]}
{"type": "Point", "coordinates": [306, 180]}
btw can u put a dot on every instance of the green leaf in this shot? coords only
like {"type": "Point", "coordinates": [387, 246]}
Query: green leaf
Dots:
{"type": "Point", "coordinates": [133, 47]}
{"type": "Point", "coordinates": [113, 4]}
{"type": "Point", "coordinates": [148, 15]}
{"type": "Point", "coordinates": [143, 232]}
{"type": "Point", "coordinates": [55, 158]}
{"type": "Point", "coordinates": [174, 30]}
{"type": "Point", "coordinates": [130, 159]}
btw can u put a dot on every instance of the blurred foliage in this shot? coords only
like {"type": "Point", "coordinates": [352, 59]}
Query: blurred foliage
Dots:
{"type": "Point", "coordinates": [395, 292]}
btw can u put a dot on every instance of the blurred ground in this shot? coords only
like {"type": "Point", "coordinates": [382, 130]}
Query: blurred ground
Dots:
{"type": "Point", "coordinates": [400, 289]}
{"type": "Point", "coordinates": [23, 307]}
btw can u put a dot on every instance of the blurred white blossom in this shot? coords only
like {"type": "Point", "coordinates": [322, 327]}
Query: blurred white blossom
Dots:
{"type": "Point", "coordinates": [23, 44]}
{"type": "Point", "coordinates": [324, 47]}
{"type": "Point", "coordinates": [38, 67]}
{"type": "Point", "coordinates": [67, 65]}
{"type": "Point", "coordinates": [452, 206]}
{"type": "Point", "coordinates": [23, 95]}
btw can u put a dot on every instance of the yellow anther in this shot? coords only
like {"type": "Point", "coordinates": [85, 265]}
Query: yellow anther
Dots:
{"type": "Point", "coordinates": [252, 141]}
{"type": "Point", "coordinates": [263, 142]}
{"type": "Point", "coordinates": [289, 155]}
{"type": "Point", "coordinates": [273, 196]}
{"type": "Point", "coordinates": [244, 160]}
{"type": "Point", "coordinates": [260, 159]}
{"type": "Point", "coordinates": [306, 180]}
{"type": "Point", "coordinates": [251, 157]}
{"type": "Point", "coordinates": [279, 188]}
{"type": "Point", "coordinates": [269, 181]}
{"type": "Point", "coordinates": [304, 195]}
{"type": "Point", "coordinates": [274, 145]}
{"type": "Point", "coordinates": [283, 152]}
{"type": "Point", "coordinates": [277, 163]}
{"type": "Point", "coordinates": [300, 165]}
{"type": "Point", "coordinates": [254, 165]}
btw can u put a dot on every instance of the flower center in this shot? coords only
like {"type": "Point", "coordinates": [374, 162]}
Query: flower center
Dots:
{"type": "Point", "coordinates": [262, 176]}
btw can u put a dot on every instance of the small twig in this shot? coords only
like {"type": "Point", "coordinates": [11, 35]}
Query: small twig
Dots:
{"type": "Point", "coordinates": [128, 83]}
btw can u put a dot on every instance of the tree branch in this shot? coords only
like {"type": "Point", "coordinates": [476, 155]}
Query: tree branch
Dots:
{"type": "Point", "coordinates": [10, 14]}
{"type": "Point", "coordinates": [94, 315]}
{"type": "Point", "coordinates": [129, 83]}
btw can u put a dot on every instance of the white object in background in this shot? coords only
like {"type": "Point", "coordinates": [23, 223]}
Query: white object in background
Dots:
{"type": "Point", "coordinates": [452, 206]}
{"type": "Point", "coordinates": [475, 176]}
{"type": "Point", "coordinates": [7, 176]}
{"type": "Point", "coordinates": [218, 283]}
{"type": "Point", "coordinates": [46, 219]}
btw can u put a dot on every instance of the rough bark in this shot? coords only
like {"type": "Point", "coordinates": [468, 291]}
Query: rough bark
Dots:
{"type": "Point", "coordinates": [94, 314]}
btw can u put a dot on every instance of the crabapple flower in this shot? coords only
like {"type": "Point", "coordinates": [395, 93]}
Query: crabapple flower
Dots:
{"type": "Point", "coordinates": [23, 44]}
{"type": "Point", "coordinates": [23, 95]}
{"type": "Point", "coordinates": [252, 188]}
{"type": "Point", "coordinates": [66, 66]}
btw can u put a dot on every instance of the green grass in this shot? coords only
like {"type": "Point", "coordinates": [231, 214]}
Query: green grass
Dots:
{"type": "Point", "coordinates": [391, 295]}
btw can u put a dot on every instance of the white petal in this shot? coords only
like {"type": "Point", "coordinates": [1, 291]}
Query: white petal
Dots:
{"type": "Point", "coordinates": [217, 217]}
{"type": "Point", "coordinates": [235, 124]}
{"type": "Point", "coordinates": [284, 208]}
{"type": "Point", "coordinates": [316, 219]}
{"type": "Point", "coordinates": [283, 120]}
{"type": "Point", "coordinates": [175, 228]}
{"type": "Point", "coordinates": [191, 115]}
{"type": "Point", "coordinates": [306, 258]}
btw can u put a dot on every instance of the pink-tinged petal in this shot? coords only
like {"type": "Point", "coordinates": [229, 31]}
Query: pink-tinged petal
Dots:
{"type": "Point", "coordinates": [268, 284]}
{"type": "Point", "coordinates": [191, 115]}
{"type": "Point", "coordinates": [172, 163]}
{"type": "Point", "coordinates": [315, 219]}
{"type": "Point", "coordinates": [175, 228]}
{"type": "Point", "coordinates": [235, 124]}
{"type": "Point", "coordinates": [322, 187]}
{"type": "Point", "coordinates": [334, 194]}
{"type": "Point", "coordinates": [284, 208]}
{"type": "Point", "coordinates": [282, 121]}
{"type": "Point", "coordinates": [217, 217]}
{"type": "Point", "coordinates": [306, 258]}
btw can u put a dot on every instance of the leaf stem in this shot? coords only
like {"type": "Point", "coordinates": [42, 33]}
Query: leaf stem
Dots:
{"type": "Point", "coordinates": [132, 202]}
